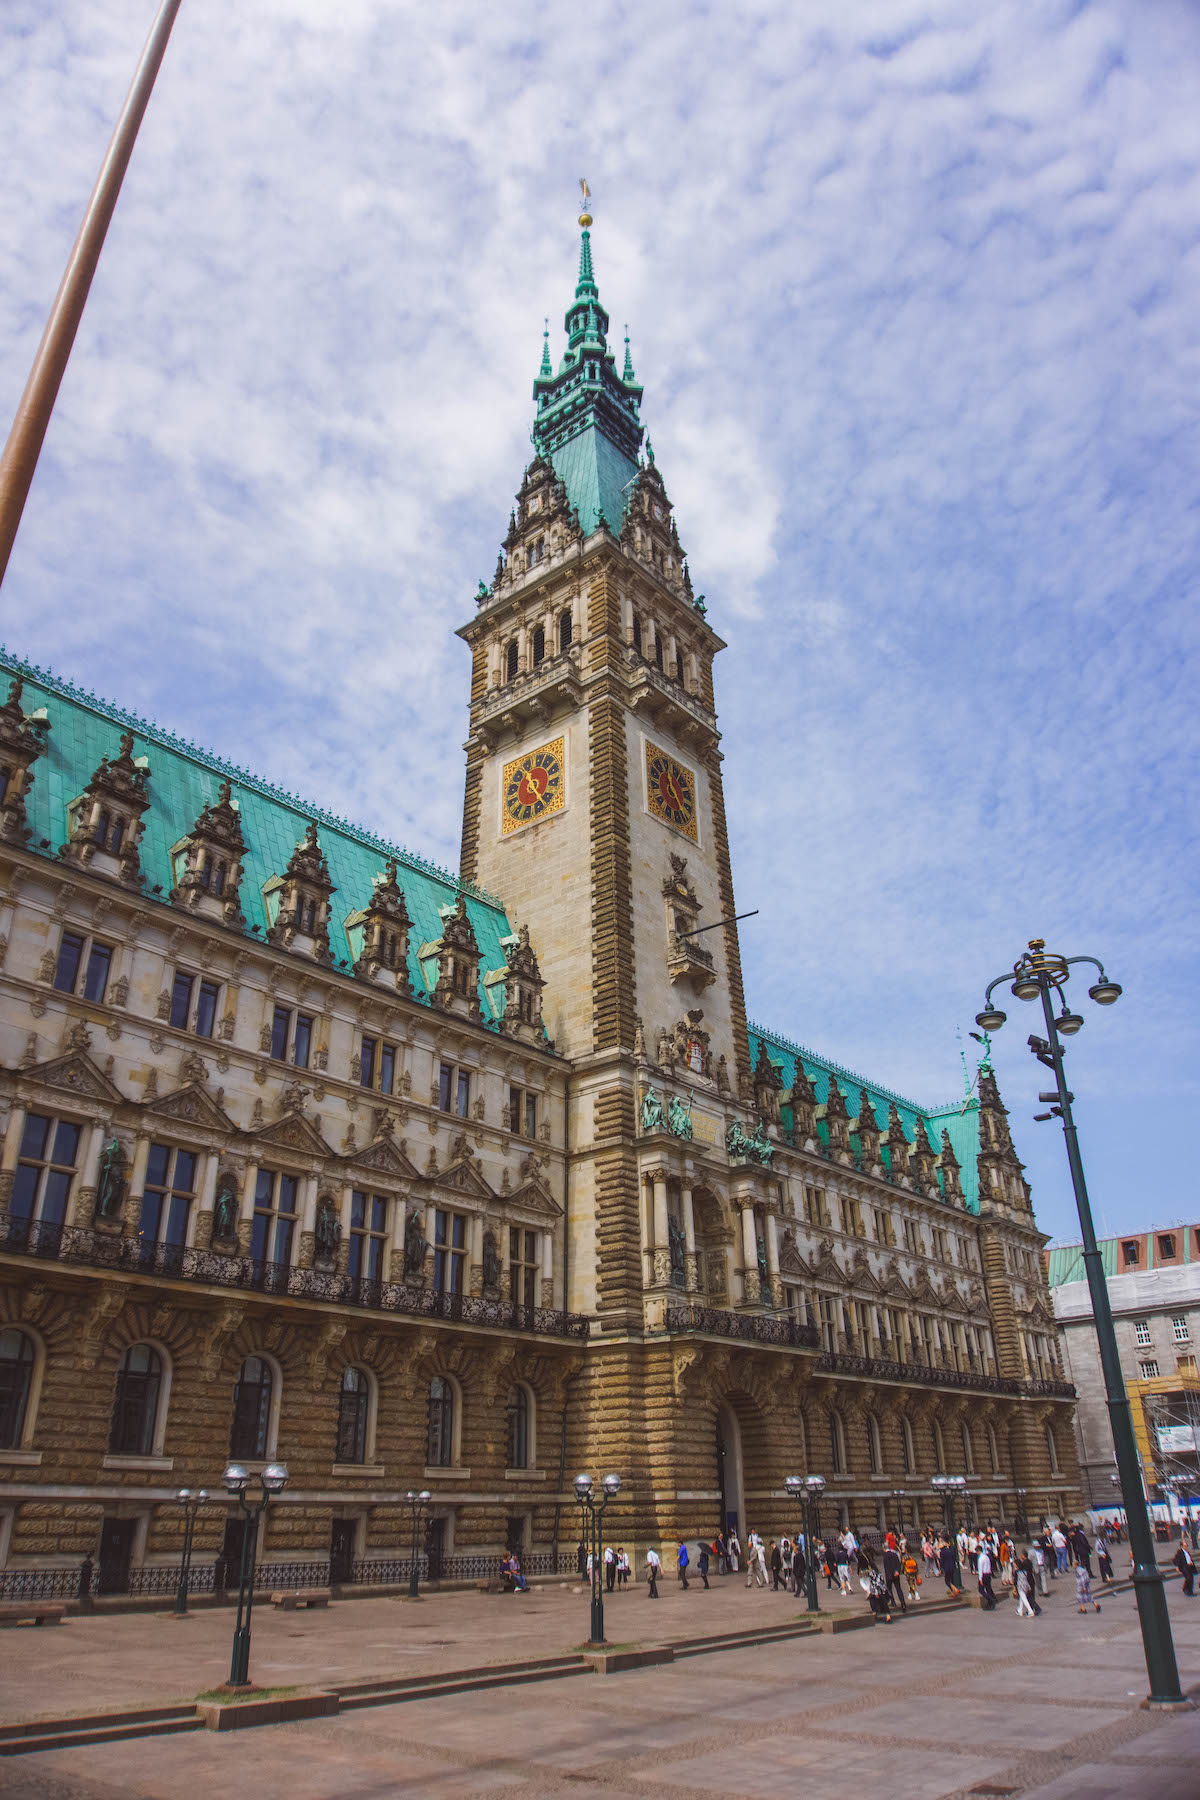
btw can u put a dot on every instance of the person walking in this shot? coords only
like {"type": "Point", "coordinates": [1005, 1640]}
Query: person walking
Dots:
{"type": "Point", "coordinates": [758, 1562]}
{"type": "Point", "coordinates": [842, 1554]}
{"type": "Point", "coordinates": [983, 1570]}
{"type": "Point", "coordinates": [1059, 1541]}
{"type": "Point", "coordinates": [891, 1574]}
{"type": "Point", "coordinates": [610, 1568]}
{"type": "Point", "coordinates": [912, 1575]}
{"type": "Point", "coordinates": [653, 1567]}
{"type": "Point", "coordinates": [719, 1552]}
{"type": "Point", "coordinates": [1185, 1563]}
{"type": "Point", "coordinates": [776, 1561]}
{"type": "Point", "coordinates": [682, 1560]}
{"type": "Point", "coordinates": [799, 1567]}
{"type": "Point", "coordinates": [1104, 1562]}
{"type": "Point", "coordinates": [702, 1563]}
{"type": "Point", "coordinates": [1082, 1549]}
{"type": "Point", "coordinates": [734, 1549]}
{"type": "Point", "coordinates": [786, 1552]}
{"type": "Point", "coordinates": [945, 1558]}
{"type": "Point", "coordinates": [1037, 1556]}
{"type": "Point", "coordinates": [1083, 1589]}
{"type": "Point", "coordinates": [1024, 1586]}
{"type": "Point", "coordinates": [622, 1568]}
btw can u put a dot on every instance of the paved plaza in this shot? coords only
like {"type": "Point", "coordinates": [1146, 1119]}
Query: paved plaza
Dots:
{"type": "Point", "coordinates": [945, 1705]}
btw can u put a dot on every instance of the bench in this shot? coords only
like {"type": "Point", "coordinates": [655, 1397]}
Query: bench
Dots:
{"type": "Point", "coordinates": [32, 1612]}
{"type": "Point", "coordinates": [289, 1599]}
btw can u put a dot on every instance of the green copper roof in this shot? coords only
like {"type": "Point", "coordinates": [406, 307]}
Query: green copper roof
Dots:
{"type": "Point", "coordinates": [960, 1121]}
{"type": "Point", "coordinates": [587, 422]}
{"type": "Point", "coordinates": [184, 778]}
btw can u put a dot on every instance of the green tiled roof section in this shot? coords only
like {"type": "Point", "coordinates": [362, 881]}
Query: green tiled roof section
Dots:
{"type": "Point", "coordinates": [1065, 1261]}
{"type": "Point", "coordinates": [183, 778]}
{"type": "Point", "coordinates": [596, 475]}
{"type": "Point", "coordinates": [963, 1127]}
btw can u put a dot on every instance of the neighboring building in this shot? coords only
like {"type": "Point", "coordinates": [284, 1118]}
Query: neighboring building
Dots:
{"type": "Point", "coordinates": [1154, 1287]}
{"type": "Point", "coordinates": [311, 1149]}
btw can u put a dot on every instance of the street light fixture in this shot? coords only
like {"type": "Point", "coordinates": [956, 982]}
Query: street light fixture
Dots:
{"type": "Point", "coordinates": [236, 1478]}
{"type": "Point", "coordinates": [1041, 974]}
{"type": "Point", "coordinates": [950, 1487]}
{"type": "Point", "coordinates": [191, 1504]}
{"type": "Point", "coordinates": [810, 1488]}
{"type": "Point", "coordinates": [418, 1506]}
{"type": "Point", "coordinates": [591, 1529]}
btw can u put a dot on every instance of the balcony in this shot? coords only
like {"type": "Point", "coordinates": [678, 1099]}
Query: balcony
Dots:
{"type": "Point", "coordinates": [754, 1328]}
{"type": "Point", "coordinates": [530, 698]}
{"type": "Point", "coordinates": [74, 1247]}
{"type": "Point", "coordinates": [664, 701]}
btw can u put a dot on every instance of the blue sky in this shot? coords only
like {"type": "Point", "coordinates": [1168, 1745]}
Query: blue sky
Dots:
{"type": "Point", "coordinates": [912, 291]}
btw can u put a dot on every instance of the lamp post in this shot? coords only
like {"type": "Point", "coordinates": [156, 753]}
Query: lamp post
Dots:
{"type": "Point", "coordinates": [273, 1480]}
{"type": "Point", "coordinates": [811, 1488]}
{"type": "Point", "coordinates": [418, 1506]}
{"type": "Point", "coordinates": [591, 1528]}
{"type": "Point", "coordinates": [899, 1496]}
{"type": "Point", "coordinates": [949, 1487]}
{"type": "Point", "coordinates": [1041, 975]}
{"type": "Point", "coordinates": [191, 1504]}
{"type": "Point", "coordinates": [1021, 1523]}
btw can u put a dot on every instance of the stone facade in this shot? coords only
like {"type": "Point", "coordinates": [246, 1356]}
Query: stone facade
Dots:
{"type": "Point", "coordinates": [313, 1151]}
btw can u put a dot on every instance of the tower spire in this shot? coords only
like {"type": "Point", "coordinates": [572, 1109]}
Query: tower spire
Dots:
{"type": "Point", "coordinates": [546, 370]}
{"type": "Point", "coordinates": [627, 374]}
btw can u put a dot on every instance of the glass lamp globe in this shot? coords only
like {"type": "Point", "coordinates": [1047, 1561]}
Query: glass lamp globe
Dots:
{"type": "Point", "coordinates": [236, 1478]}
{"type": "Point", "coordinates": [815, 1485]}
{"type": "Point", "coordinates": [583, 1486]}
{"type": "Point", "coordinates": [1105, 992]}
{"type": "Point", "coordinates": [794, 1485]}
{"type": "Point", "coordinates": [183, 1496]}
{"type": "Point", "coordinates": [612, 1485]}
{"type": "Point", "coordinates": [1069, 1023]}
{"type": "Point", "coordinates": [275, 1477]}
{"type": "Point", "coordinates": [424, 1496]}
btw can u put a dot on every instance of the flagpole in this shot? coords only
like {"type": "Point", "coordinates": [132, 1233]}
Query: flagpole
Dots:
{"type": "Point", "coordinates": [20, 458]}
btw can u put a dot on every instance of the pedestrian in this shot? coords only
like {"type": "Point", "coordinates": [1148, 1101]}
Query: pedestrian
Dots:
{"type": "Point", "coordinates": [1082, 1549]}
{"type": "Point", "coordinates": [911, 1574]}
{"type": "Point", "coordinates": [653, 1566]}
{"type": "Point", "coordinates": [682, 1560]}
{"type": "Point", "coordinates": [719, 1552]}
{"type": "Point", "coordinates": [702, 1564]}
{"type": "Point", "coordinates": [1104, 1563]}
{"type": "Point", "coordinates": [842, 1553]}
{"type": "Point", "coordinates": [1185, 1563]}
{"type": "Point", "coordinates": [1059, 1541]}
{"type": "Point", "coordinates": [610, 1568]}
{"type": "Point", "coordinates": [758, 1561]}
{"type": "Point", "coordinates": [891, 1574]}
{"type": "Point", "coordinates": [983, 1569]}
{"type": "Point", "coordinates": [799, 1567]}
{"type": "Point", "coordinates": [734, 1549]}
{"type": "Point", "coordinates": [877, 1593]}
{"type": "Point", "coordinates": [1083, 1588]}
{"type": "Point", "coordinates": [827, 1564]}
{"type": "Point", "coordinates": [623, 1569]}
{"type": "Point", "coordinates": [1023, 1582]}
{"type": "Point", "coordinates": [581, 1559]}
{"type": "Point", "coordinates": [946, 1565]}
{"type": "Point", "coordinates": [786, 1552]}
{"type": "Point", "coordinates": [520, 1585]}
{"type": "Point", "coordinates": [776, 1562]}
{"type": "Point", "coordinates": [1037, 1555]}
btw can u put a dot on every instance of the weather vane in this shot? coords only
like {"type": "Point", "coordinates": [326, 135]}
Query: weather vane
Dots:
{"type": "Point", "coordinates": [585, 216]}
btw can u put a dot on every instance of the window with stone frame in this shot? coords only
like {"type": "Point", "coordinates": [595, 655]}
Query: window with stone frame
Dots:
{"type": "Point", "coordinates": [1141, 1332]}
{"type": "Point", "coordinates": [827, 1325]}
{"type": "Point", "coordinates": [565, 631]}
{"type": "Point", "coordinates": [354, 1401]}
{"type": "Point", "coordinates": [908, 1457]}
{"type": "Point", "coordinates": [814, 1206]}
{"type": "Point", "coordinates": [439, 1451]}
{"type": "Point", "coordinates": [194, 1003]}
{"type": "Point", "coordinates": [539, 645]}
{"type": "Point", "coordinates": [637, 634]}
{"type": "Point", "coordinates": [519, 1418]}
{"type": "Point", "coordinates": [449, 1251]}
{"type": "Point", "coordinates": [46, 1167]}
{"type": "Point", "coordinates": [276, 1215]}
{"type": "Point", "coordinates": [1131, 1253]}
{"type": "Point", "coordinates": [135, 1404]}
{"type": "Point", "coordinates": [292, 1036]}
{"type": "Point", "coordinates": [18, 1359]}
{"type": "Point", "coordinates": [523, 1112]}
{"type": "Point", "coordinates": [913, 1240]}
{"type": "Point", "coordinates": [250, 1428]}
{"type": "Point", "coordinates": [658, 650]}
{"type": "Point", "coordinates": [511, 660]}
{"type": "Point", "coordinates": [167, 1199]}
{"type": "Point", "coordinates": [1179, 1328]}
{"type": "Point", "coordinates": [377, 1065]}
{"type": "Point", "coordinates": [1148, 1370]}
{"type": "Point", "coordinates": [369, 1216]}
{"type": "Point", "coordinates": [793, 1300]}
{"type": "Point", "coordinates": [83, 966]}
{"type": "Point", "coordinates": [454, 1090]}
{"type": "Point", "coordinates": [523, 1266]}
{"type": "Point", "coordinates": [874, 1446]}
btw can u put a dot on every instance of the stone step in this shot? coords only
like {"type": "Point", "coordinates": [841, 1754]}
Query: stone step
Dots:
{"type": "Point", "coordinates": [98, 1728]}
{"type": "Point", "coordinates": [457, 1681]}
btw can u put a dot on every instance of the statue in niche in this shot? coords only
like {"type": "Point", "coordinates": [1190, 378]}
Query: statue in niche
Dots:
{"type": "Point", "coordinates": [676, 1244]}
{"type": "Point", "coordinates": [679, 1118]}
{"type": "Point", "coordinates": [329, 1228]}
{"type": "Point", "coordinates": [762, 1261]}
{"type": "Point", "coordinates": [653, 1118]}
{"type": "Point", "coordinates": [416, 1244]}
{"type": "Point", "coordinates": [491, 1261]}
{"type": "Point", "coordinates": [110, 1182]}
{"type": "Point", "coordinates": [225, 1207]}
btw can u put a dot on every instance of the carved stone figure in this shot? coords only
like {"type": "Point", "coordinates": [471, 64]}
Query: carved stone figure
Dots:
{"type": "Point", "coordinates": [491, 1261]}
{"type": "Point", "coordinates": [110, 1183]}
{"type": "Point", "coordinates": [416, 1244]}
{"type": "Point", "coordinates": [676, 1243]}
{"type": "Point", "coordinates": [652, 1112]}
{"type": "Point", "coordinates": [329, 1228]}
{"type": "Point", "coordinates": [225, 1207]}
{"type": "Point", "coordinates": [679, 1118]}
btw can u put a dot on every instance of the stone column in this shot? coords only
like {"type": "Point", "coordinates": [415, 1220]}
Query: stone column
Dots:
{"type": "Point", "coordinates": [200, 1234]}
{"type": "Point", "coordinates": [245, 1223]}
{"type": "Point", "coordinates": [474, 1280]}
{"type": "Point", "coordinates": [137, 1180]}
{"type": "Point", "coordinates": [691, 1261]}
{"type": "Point", "coordinates": [750, 1254]}
{"type": "Point", "coordinates": [548, 1269]}
{"type": "Point", "coordinates": [85, 1193]}
{"type": "Point", "coordinates": [662, 1237]}
{"type": "Point", "coordinates": [776, 1295]}
{"type": "Point", "coordinates": [13, 1135]}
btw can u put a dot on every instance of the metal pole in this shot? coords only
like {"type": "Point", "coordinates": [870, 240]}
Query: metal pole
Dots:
{"type": "Point", "coordinates": [240, 1660]}
{"type": "Point", "coordinates": [1157, 1642]}
{"type": "Point", "coordinates": [597, 1576]}
{"type": "Point", "coordinates": [810, 1561]}
{"type": "Point", "coordinates": [413, 1569]}
{"type": "Point", "coordinates": [20, 458]}
{"type": "Point", "coordinates": [181, 1592]}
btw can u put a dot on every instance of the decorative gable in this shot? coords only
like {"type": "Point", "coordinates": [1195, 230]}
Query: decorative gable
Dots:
{"type": "Point", "coordinates": [22, 741]}
{"type": "Point", "coordinates": [293, 1132]}
{"type": "Point", "coordinates": [463, 1178]}
{"type": "Point", "coordinates": [534, 1197]}
{"type": "Point", "coordinates": [523, 989]}
{"type": "Point", "coordinates": [208, 863]}
{"type": "Point", "coordinates": [191, 1105]}
{"type": "Point", "coordinates": [298, 901]}
{"type": "Point", "coordinates": [76, 1073]}
{"type": "Point", "coordinates": [384, 1157]}
{"type": "Point", "coordinates": [457, 953]}
{"type": "Point", "coordinates": [105, 822]}
{"type": "Point", "coordinates": [649, 531]}
{"type": "Point", "coordinates": [897, 1143]}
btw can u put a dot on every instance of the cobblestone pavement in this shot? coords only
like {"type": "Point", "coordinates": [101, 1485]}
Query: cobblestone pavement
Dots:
{"type": "Point", "coordinates": [940, 1708]}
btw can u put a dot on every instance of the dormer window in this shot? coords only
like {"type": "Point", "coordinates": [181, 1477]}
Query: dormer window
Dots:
{"type": "Point", "coordinates": [208, 862]}
{"type": "Point", "coordinates": [106, 819]}
{"type": "Point", "coordinates": [298, 901]}
{"type": "Point", "coordinates": [109, 832]}
{"type": "Point", "coordinates": [539, 645]}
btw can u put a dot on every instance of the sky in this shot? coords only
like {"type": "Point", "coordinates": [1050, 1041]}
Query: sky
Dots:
{"type": "Point", "coordinates": [912, 290]}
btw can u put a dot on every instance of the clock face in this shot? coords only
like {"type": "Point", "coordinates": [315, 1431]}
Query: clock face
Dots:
{"type": "Point", "coordinates": [532, 787]}
{"type": "Point", "coordinates": [671, 792]}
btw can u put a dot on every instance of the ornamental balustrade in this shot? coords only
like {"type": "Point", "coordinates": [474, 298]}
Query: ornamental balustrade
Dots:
{"type": "Point", "coordinates": [752, 1327]}
{"type": "Point", "coordinates": [78, 1245]}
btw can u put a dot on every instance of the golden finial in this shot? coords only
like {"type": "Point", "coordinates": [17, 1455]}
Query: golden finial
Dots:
{"type": "Point", "coordinates": [585, 217]}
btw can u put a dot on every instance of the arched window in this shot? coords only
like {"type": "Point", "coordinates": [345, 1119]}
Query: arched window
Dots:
{"type": "Point", "coordinates": [510, 661]}
{"type": "Point", "coordinates": [939, 1448]}
{"type": "Point", "coordinates": [874, 1451]}
{"type": "Point", "coordinates": [1052, 1450]}
{"type": "Point", "coordinates": [17, 1361]}
{"type": "Point", "coordinates": [837, 1443]}
{"type": "Point", "coordinates": [441, 1423]}
{"type": "Point", "coordinates": [637, 634]}
{"type": "Point", "coordinates": [968, 1448]}
{"type": "Point", "coordinates": [251, 1433]}
{"type": "Point", "coordinates": [907, 1454]}
{"type": "Point", "coordinates": [993, 1451]}
{"type": "Point", "coordinates": [565, 629]}
{"type": "Point", "coordinates": [353, 1408]}
{"type": "Point", "coordinates": [539, 645]}
{"type": "Point", "coordinates": [135, 1407]}
{"type": "Point", "coordinates": [679, 667]}
{"type": "Point", "coordinates": [519, 1419]}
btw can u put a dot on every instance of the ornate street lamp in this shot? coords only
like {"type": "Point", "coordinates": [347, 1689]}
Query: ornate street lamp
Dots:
{"type": "Point", "coordinates": [273, 1480]}
{"type": "Point", "coordinates": [810, 1489]}
{"type": "Point", "coordinates": [1040, 974]}
{"type": "Point", "coordinates": [949, 1487]}
{"type": "Point", "coordinates": [418, 1506]}
{"type": "Point", "coordinates": [191, 1504]}
{"type": "Point", "coordinates": [899, 1496]}
{"type": "Point", "coordinates": [591, 1529]}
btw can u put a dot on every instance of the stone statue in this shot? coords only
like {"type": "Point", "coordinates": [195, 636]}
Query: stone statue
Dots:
{"type": "Point", "coordinates": [329, 1228]}
{"type": "Point", "coordinates": [110, 1184]}
{"type": "Point", "coordinates": [679, 1118]}
{"type": "Point", "coordinates": [762, 1261]}
{"type": "Point", "coordinates": [225, 1207]}
{"type": "Point", "coordinates": [652, 1112]}
{"type": "Point", "coordinates": [491, 1261]}
{"type": "Point", "coordinates": [416, 1244]}
{"type": "Point", "coordinates": [639, 1041]}
{"type": "Point", "coordinates": [676, 1243]}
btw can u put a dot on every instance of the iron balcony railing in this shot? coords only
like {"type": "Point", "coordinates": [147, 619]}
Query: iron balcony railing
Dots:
{"type": "Point", "coordinates": [757, 1328]}
{"type": "Point", "coordinates": [77, 1245]}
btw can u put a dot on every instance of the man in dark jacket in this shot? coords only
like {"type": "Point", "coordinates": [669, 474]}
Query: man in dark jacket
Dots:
{"type": "Point", "coordinates": [799, 1568]}
{"type": "Point", "coordinates": [1186, 1565]}
{"type": "Point", "coordinates": [702, 1563]}
{"type": "Point", "coordinates": [891, 1574]}
{"type": "Point", "coordinates": [1081, 1550]}
{"type": "Point", "coordinates": [776, 1566]}
{"type": "Point", "coordinates": [946, 1565]}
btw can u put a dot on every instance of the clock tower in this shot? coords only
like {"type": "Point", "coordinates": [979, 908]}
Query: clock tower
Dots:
{"type": "Point", "coordinates": [594, 802]}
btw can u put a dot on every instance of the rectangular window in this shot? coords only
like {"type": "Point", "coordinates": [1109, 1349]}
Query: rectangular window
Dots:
{"type": "Point", "coordinates": [523, 1266]}
{"type": "Point", "coordinates": [275, 1204]}
{"type": "Point", "coordinates": [462, 1094]}
{"type": "Point", "coordinates": [206, 1008]}
{"type": "Point", "coordinates": [387, 1068]}
{"type": "Point", "coordinates": [1129, 1253]}
{"type": "Point", "coordinates": [74, 955]}
{"type": "Point", "coordinates": [95, 980]}
{"type": "Point", "coordinates": [366, 1062]}
{"type": "Point", "coordinates": [1186, 1365]}
{"type": "Point", "coordinates": [825, 1306]}
{"type": "Point", "coordinates": [1141, 1331]}
{"type": "Point", "coordinates": [181, 1000]}
{"type": "Point", "coordinates": [368, 1236]}
{"type": "Point", "coordinates": [1166, 1245]}
{"type": "Point", "coordinates": [522, 1111]}
{"type": "Point", "coordinates": [445, 1086]}
{"type": "Point", "coordinates": [377, 1066]}
{"type": "Point", "coordinates": [45, 1170]}
{"type": "Point", "coordinates": [302, 1040]}
{"type": "Point", "coordinates": [1148, 1370]}
{"type": "Point", "coordinates": [70, 958]}
{"type": "Point", "coordinates": [449, 1251]}
{"type": "Point", "coordinates": [166, 1202]}
{"type": "Point", "coordinates": [1180, 1328]}
{"type": "Point", "coordinates": [281, 1027]}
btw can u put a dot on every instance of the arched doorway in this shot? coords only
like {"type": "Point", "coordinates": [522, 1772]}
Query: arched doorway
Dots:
{"type": "Point", "coordinates": [729, 1469]}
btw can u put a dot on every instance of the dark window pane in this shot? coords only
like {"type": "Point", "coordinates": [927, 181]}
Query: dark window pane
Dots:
{"type": "Point", "coordinates": [378, 1212]}
{"type": "Point", "coordinates": [564, 631]}
{"type": "Point", "coordinates": [264, 1187]}
{"type": "Point", "coordinates": [116, 835]}
{"type": "Point", "coordinates": [206, 1008]}
{"type": "Point", "coordinates": [258, 1236]}
{"type": "Point", "coordinates": [459, 1224]}
{"type": "Point", "coordinates": [463, 1095]}
{"type": "Point", "coordinates": [54, 1197]}
{"type": "Point", "coordinates": [366, 1063]}
{"type": "Point", "coordinates": [288, 1189]}
{"type": "Point", "coordinates": [445, 1085]}
{"type": "Point", "coordinates": [251, 1409]}
{"type": "Point", "coordinates": [302, 1043]}
{"type": "Point", "coordinates": [284, 1231]}
{"type": "Point", "coordinates": [157, 1164]}
{"type": "Point", "coordinates": [70, 954]}
{"type": "Point", "coordinates": [136, 1406]}
{"type": "Point", "coordinates": [185, 1172]}
{"type": "Point", "coordinates": [24, 1193]}
{"type": "Point", "coordinates": [96, 979]}
{"type": "Point", "coordinates": [177, 1220]}
{"type": "Point", "coordinates": [181, 1001]}
{"type": "Point", "coordinates": [387, 1069]}
{"type": "Point", "coordinates": [16, 1372]}
{"type": "Point", "coordinates": [279, 1032]}
{"type": "Point", "coordinates": [358, 1209]}
{"type": "Point", "coordinates": [531, 1115]}
{"type": "Point", "coordinates": [66, 1144]}
{"type": "Point", "coordinates": [35, 1136]}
